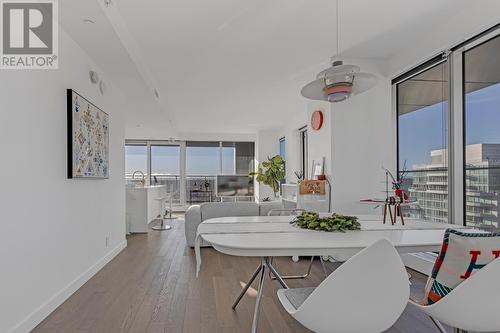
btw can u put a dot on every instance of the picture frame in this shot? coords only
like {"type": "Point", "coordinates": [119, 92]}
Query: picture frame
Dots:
{"type": "Point", "coordinates": [317, 168]}
{"type": "Point", "coordinates": [87, 138]}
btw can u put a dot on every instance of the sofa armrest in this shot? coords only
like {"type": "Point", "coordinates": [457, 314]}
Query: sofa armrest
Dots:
{"type": "Point", "coordinates": [193, 219]}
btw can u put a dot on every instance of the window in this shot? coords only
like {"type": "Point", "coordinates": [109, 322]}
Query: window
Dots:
{"type": "Point", "coordinates": [203, 158]}
{"type": "Point", "coordinates": [282, 148]}
{"type": "Point", "coordinates": [213, 158]}
{"type": "Point", "coordinates": [165, 168]}
{"type": "Point", "coordinates": [228, 156]}
{"type": "Point", "coordinates": [165, 160]}
{"type": "Point", "coordinates": [238, 157]}
{"type": "Point", "coordinates": [482, 135]}
{"type": "Point", "coordinates": [303, 152]}
{"type": "Point", "coordinates": [283, 156]}
{"type": "Point", "coordinates": [461, 181]}
{"type": "Point", "coordinates": [422, 108]}
{"type": "Point", "coordinates": [188, 169]}
{"type": "Point", "coordinates": [136, 159]}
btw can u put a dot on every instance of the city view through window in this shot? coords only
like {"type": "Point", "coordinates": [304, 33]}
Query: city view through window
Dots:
{"type": "Point", "coordinates": [423, 108]}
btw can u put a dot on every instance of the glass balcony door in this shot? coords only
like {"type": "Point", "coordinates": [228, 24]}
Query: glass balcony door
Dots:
{"type": "Point", "coordinates": [482, 135]}
{"type": "Point", "coordinates": [423, 116]}
{"type": "Point", "coordinates": [166, 169]}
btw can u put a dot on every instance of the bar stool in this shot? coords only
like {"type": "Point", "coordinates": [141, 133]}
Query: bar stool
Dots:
{"type": "Point", "coordinates": [161, 216]}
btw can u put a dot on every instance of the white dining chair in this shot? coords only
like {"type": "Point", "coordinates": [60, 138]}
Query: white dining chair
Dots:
{"type": "Point", "coordinates": [366, 294]}
{"type": "Point", "coordinates": [472, 306]}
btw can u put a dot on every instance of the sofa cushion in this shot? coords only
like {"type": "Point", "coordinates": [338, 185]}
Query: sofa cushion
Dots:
{"type": "Point", "coordinates": [212, 210]}
{"type": "Point", "coordinates": [462, 254]}
{"type": "Point", "coordinates": [265, 207]}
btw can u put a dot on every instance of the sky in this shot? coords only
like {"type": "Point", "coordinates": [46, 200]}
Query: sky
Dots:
{"type": "Point", "coordinates": [166, 160]}
{"type": "Point", "coordinates": [423, 130]}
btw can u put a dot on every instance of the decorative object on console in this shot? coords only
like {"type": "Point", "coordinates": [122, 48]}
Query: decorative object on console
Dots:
{"type": "Point", "coordinates": [88, 138]}
{"type": "Point", "coordinates": [312, 187]}
{"type": "Point", "coordinates": [393, 203]}
{"type": "Point", "coordinates": [335, 222]}
{"type": "Point", "coordinates": [339, 82]}
{"type": "Point", "coordinates": [317, 168]}
{"type": "Point", "coordinates": [397, 184]}
{"type": "Point", "coordinates": [462, 254]}
{"type": "Point", "coordinates": [270, 173]}
{"type": "Point", "coordinates": [299, 175]}
{"type": "Point", "coordinates": [317, 120]}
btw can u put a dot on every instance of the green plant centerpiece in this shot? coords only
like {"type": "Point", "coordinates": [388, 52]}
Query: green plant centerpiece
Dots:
{"type": "Point", "coordinates": [270, 173]}
{"type": "Point", "coordinates": [335, 222]}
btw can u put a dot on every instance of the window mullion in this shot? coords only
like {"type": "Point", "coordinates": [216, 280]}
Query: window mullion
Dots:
{"type": "Point", "coordinates": [456, 135]}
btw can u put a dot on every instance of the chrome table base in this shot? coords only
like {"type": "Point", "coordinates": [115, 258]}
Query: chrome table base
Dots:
{"type": "Point", "coordinates": [265, 263]}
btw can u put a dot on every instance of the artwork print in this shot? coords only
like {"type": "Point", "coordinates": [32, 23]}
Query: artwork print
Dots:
{"type": "Point", "coordinates": [88, 138]}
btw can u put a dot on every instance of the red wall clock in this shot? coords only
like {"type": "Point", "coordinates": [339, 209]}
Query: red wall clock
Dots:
{"type": "Point", "coordinates": [317, 120]}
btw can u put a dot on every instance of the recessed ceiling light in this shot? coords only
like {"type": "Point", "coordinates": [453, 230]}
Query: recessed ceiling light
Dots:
{"type": "Point", "coordinates": [88, 21]}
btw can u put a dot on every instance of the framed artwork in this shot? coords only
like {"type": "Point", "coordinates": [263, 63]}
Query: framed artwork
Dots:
{"type": "Point", "coordinates": [88, 139]}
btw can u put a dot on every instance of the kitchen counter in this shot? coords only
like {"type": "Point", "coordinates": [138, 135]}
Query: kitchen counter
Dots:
{"type": "Point", "coordinates": [142, 206]}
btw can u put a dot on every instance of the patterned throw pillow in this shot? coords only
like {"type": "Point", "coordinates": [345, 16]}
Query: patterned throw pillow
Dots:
{"type": "Point", "coordinates": [461, 255]}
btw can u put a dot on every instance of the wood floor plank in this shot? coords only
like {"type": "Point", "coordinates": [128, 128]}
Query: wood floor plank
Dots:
{"type": "Point", "coordinates": [151, 287]}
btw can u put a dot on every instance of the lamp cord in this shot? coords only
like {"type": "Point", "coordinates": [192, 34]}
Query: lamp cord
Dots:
{"type": "Point", "coordinates": [338, 28]}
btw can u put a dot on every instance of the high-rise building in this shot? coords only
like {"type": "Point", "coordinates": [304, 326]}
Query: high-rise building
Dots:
{"type": "Point", "coordinates": [428, 186]}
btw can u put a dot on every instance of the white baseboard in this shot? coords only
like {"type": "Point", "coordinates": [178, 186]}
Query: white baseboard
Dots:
{"type": "Point", "coordinates": [34, 318]}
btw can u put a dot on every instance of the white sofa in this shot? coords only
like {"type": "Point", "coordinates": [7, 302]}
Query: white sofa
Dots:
{"type": "Point", "coordinates": [199, 213]}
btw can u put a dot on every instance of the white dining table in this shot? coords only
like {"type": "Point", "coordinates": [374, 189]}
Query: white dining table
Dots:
{"type": "Point", "coordinates": [274, 236]}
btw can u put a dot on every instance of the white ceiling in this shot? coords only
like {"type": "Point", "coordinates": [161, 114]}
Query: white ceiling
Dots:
{"type": "Point", "coordinates": [237, 66]}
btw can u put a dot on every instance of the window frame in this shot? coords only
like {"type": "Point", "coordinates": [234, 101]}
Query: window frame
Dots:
{"type": "Point", "coordinates": [304, 151]}
{"type": "Point", "coordinates": [443, 58]}
{"type": "Point", "coordinates": [455, 56]}
{"type": "Point", "coordinates": [462, 49]}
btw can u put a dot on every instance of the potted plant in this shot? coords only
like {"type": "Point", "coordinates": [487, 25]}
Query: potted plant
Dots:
{"type": "Point", "coordinates": [270, 173]}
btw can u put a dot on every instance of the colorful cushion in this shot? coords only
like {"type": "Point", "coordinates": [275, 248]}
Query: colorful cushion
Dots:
{"type": "Point", "coordinates": [461, 255]}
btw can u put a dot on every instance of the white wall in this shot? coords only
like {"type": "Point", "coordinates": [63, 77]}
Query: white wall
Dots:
{"type": "Point", "coordinates": [319, 142]}
{"type": "Point", "coordinates": [362, 142]}
{"type": "Point", "coordinates": [267, 145]}
{"type": "Point", "coordinates": [53, 229]}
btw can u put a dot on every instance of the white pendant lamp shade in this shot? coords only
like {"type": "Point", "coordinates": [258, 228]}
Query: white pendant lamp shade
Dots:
{"type": "Point", "coordinates": [338, 83]}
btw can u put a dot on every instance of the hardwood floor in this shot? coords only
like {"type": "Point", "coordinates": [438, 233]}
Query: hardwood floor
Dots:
{"type": "Point", "coordinates": [151, 287]}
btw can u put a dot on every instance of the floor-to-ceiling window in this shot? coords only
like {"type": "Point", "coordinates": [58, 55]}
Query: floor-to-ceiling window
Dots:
{"type": "Point", "coordinates": [422, 107]}
{"type": "Point", "coordinates": [203, 164]}
{"type": "Point", "coordinates": [136, 161]}
{"type": "Point", "coordinates": [166, 168]}
{"type": "Point", "coordinates": [482, 134]}
{"type": "Point", "coordinates": [448, 117]}
{"type": "Point", "coordinates": [207, 159]}
{"type": "Point", "coordinates": [188, 169]}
